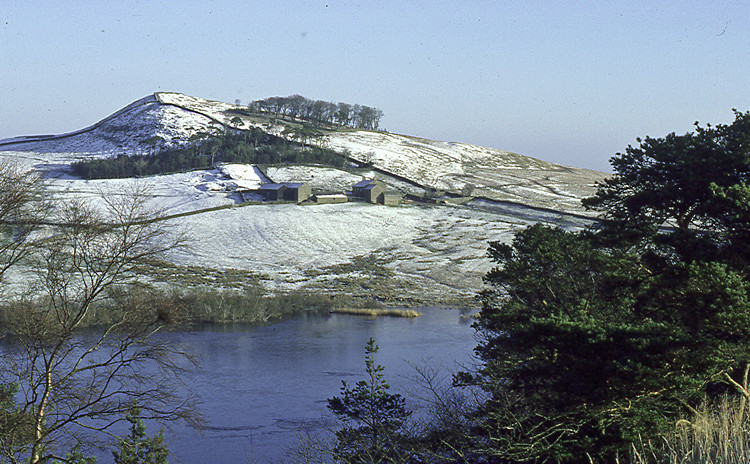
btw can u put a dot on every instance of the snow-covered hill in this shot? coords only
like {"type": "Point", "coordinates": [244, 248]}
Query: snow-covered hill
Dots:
{"type": "Point", "coordinates": [424, 254]}
{"type": "Point", "coordinates": [137, 128]}
{"type": "Point", "coordinates": [167, 119]}
{"type": "Point", "coordinates": [472, 170]}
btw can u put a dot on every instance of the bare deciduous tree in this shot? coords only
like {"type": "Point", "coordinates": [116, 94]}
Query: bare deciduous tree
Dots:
{"type": "Point", "coordinates": [21, 207]}
{"type": "Point", "coordinates": [71, 386]}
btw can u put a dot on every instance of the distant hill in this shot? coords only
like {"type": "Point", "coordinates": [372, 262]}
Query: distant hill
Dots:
{"type": "Point", "coordinates": [419, 253]}
{"type": "Point", "coordinates": [167, 119]}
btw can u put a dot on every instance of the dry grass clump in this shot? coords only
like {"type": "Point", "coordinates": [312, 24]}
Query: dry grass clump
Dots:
{"type": "Point", "coordinates": [718, 433]}
{"type": "Point", "coordinates": [374, 312]}
{"type": "Point", "coordinates": [231, 306]}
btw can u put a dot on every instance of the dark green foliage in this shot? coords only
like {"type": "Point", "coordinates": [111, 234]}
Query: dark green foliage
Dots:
{"type": "Point", "coordinates": [318, 111]}
{"type": "Point", "coordinates": [76, 456]}
{"type": "Point", "coordinates": [16, 428]}
{"type": "Point", "coordinates": [373, 419]}
{"type": "Point", "coordinates": [593, 339]}
{"type": "Point", "coordinates": [247, 147]}
{"type": "Point", "coordinates": [696, 183]}
{"type": "Point", "coordinates": [559, 347]}
{"type": "Point", "coordinates": [586, 348]}
{"type": "Point", "coordinates": [139, 449]}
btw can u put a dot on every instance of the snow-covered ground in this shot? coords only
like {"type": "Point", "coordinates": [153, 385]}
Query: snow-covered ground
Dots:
{"type": "Point", "coordinates": [471, 169]}
{"type": "Point", "coordinates": [434, 254]}
{"type": "Point", "coordinates": [170, 194]}
{"type": "Point", "coordinates": [319, 178]}
{"type": "Point", "coordinates": [428, 254]}
{"type": "Point", "coordinates": [166, 118]}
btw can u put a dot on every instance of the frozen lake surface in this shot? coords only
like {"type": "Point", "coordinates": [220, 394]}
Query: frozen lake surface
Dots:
{"type": "Point", "coordinates": [260, 386]}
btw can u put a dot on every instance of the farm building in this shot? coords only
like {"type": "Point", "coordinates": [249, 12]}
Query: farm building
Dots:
{"type": "Point", "coordinates": [289, 191]}
{"type": "Point", "coordinates": [374, 191]}
{"type": "Point", "coordinates": [272, 192]}
{"type": "Point", "coordinates": [331, 199]}
{"type": "Point", "coordinates": [297, 192]}
{"type": "Point", "coordinates": [369, 189]}
{"type": "Point", "coordinates": [359, 188]}
{"type": "Point", "coordinates": [390, 198]}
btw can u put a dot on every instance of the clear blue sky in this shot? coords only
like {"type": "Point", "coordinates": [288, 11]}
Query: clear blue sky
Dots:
{"type": "Point", "coordinates": [571, 82]}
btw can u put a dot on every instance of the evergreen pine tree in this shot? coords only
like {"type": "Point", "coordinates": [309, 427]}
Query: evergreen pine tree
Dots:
{"type": "Point", "coordinates": [139, 449]}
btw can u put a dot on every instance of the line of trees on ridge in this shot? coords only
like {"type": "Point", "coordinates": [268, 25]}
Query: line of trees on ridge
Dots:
{"type": "Point", "coordinates": [296, 106]}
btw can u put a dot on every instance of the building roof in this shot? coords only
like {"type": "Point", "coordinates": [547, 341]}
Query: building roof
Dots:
{"type": "Point", "coordinates": [272, 186]}
{"type": "Point", "coordinates": [364, 183]}
{"type": "Point", "coordinates": [294, 184]}
{"type": "Point", "coordinates": [371, 186]}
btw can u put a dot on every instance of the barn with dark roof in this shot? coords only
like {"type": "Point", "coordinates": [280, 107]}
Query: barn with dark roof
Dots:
{"type": "Point", "coordinates": [290, 191]}
{"type": "Point", "coordinates": [297, 191]}
{"type": "Point", "coordinates": [272, 192]}
{"type": "Point", "coordinates": [368, 189]}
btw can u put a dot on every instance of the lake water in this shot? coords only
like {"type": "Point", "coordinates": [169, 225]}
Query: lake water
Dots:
{"type": "Point", "coordinates": [259, 386]}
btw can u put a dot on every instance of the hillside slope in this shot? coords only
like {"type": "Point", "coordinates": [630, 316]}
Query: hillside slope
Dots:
{"type": "Point", "coordinates": [415, 254]}
{"type": "Point", "coordinates": [167, 119]}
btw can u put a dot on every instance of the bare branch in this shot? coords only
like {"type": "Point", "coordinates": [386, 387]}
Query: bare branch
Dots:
{"type": "Point", "coordinates": [73, 384]}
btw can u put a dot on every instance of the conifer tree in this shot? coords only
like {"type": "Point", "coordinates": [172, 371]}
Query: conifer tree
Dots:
{"type": "Point", "coordinates": [137, 448]}
{"type": "Point", "coordinates": [373, 418]}
{"type": "Point", "coordinates": [591, 340]}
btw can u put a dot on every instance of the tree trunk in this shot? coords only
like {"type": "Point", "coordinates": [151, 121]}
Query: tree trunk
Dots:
{"type": "Point", "coordinates": [38, 446]}
{"type": "Point", "coordinates": [744, 393]}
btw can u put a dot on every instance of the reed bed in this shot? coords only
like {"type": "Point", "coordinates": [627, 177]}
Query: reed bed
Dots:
{"type": "Point", "coordinates": [375, 312]}
{"type": "Point", "coordinates": [716, 434]}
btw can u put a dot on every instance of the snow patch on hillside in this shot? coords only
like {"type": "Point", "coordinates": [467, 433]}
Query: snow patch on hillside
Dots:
{"type": "Point", "coordinates": [244, 176]}
{"type": "Point", "coordinates": [168, 194]}
{"type": "Point", "coordinates": [210, 108]}
{"type": "Point", "coordinates": [135, 132]}
{"type": "Point", "coordinates": [159, 120]}
{"type": "Point", "coordinates": [470, 169]}
{"type": "Point", "coordinates": [319, 178]}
